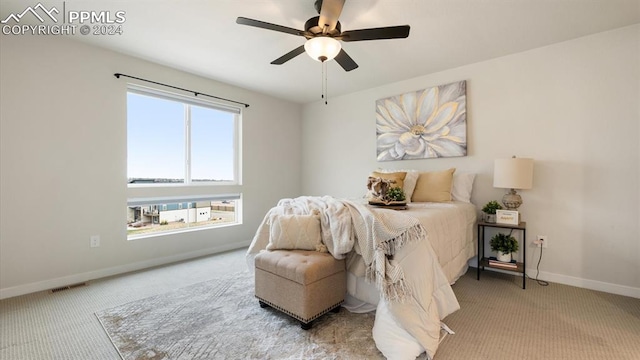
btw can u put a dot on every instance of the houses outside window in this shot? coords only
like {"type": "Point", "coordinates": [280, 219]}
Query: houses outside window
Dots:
{"type": "Point", "coordinates": [181, 214]}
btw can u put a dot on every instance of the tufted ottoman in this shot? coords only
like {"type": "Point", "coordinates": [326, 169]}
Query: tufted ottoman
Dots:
{"type": "Point", "coordinates": [302, 284]}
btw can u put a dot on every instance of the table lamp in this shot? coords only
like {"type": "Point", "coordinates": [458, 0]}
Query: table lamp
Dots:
{"type": "Point", "coordinates": [514, 173]}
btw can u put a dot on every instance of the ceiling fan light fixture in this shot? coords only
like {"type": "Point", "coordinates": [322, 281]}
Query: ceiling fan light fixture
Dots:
{"type": "Point", "coordinates": [322, 48]}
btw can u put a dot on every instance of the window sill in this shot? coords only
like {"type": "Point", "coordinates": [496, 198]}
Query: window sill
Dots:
{"type": "Point", "coordinates": [180, 231]}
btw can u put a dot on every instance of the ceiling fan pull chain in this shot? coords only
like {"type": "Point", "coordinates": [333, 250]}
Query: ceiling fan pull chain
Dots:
{"type": "Point", "coordinates": [324, 81]}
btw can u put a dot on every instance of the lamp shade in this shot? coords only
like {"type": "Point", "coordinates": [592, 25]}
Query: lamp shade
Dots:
{"type": "Point", "coordinates": [514, 173]}
{"type": "Point", "coordinates": [322, 48]}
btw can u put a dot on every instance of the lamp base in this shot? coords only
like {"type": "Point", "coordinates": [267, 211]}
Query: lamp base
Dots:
{"type": "Point", "coordinates": [512, 200]}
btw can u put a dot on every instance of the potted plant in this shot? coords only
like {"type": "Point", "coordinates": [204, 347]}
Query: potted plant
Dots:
{"type": "Point", "coordinates": [504, 245]}
{"type": "Point", "coordinates": [489, 211]}
{"type": "Point", "coordinates": [396, 194]}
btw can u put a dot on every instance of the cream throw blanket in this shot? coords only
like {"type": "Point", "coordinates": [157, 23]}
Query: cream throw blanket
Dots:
{"type": "Point", "coordinates": [379, 235]}
{"type": "Point", "coordinates": [348, 226]}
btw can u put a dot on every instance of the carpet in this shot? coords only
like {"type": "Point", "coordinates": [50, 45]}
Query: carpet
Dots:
{"type": "Point", "coordinates": [221, 319]}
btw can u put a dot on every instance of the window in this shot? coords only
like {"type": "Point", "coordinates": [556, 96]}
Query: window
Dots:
{"type": "Point", "coordinates": [173, 139]}
{"type": "Point", "coordinates": [176, 214]}
{"type": "Point", "coordinates": [180, 140]}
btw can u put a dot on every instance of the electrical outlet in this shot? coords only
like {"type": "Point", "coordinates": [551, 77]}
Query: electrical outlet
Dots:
{"type": "Point", "coordinates": [95, 241]}
{"type": "Point", "coordinates": [542, 241]}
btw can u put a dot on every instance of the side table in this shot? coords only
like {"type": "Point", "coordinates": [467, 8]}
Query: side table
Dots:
{"type": "Point", "coordinates": [484, 261]}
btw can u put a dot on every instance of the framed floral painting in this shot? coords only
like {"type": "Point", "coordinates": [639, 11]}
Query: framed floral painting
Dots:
{"type": "Point", "coordinates": [428, 123]}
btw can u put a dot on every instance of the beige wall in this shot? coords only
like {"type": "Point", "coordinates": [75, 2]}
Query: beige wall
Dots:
{"type": "Point", "coordinates": [63, 169]}
{"type": "Point", "coordinates": [572, 106]}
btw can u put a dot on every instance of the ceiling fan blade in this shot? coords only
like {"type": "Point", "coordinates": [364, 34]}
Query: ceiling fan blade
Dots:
{"type": "Point", "coordinates": [390, 32]}
{"type": "Point", "coordinates": [288, 56]}
{"type": "Point", "coordinates": [329, 13]}
{"type": "Point", "coordinates": [346, 61]}
{"type": "Point", "coordinates": [269, 26]}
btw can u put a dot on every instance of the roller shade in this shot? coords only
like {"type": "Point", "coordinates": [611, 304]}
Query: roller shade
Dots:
{"type": "Point", "coordinates": [146, 91]}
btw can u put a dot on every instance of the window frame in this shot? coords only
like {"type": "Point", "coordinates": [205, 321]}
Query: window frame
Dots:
{"type": "Point", "coordinates": [158, 193]}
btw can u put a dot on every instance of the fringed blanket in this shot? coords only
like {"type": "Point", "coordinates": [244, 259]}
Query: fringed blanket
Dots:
{"type": "Point", "coordinates": [347, 226]}
{"type": "Point", "coordinates": [379, 235]}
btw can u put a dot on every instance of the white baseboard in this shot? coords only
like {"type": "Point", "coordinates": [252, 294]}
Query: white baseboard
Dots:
{"type": "Point", "coordinates": [574, 281]}
{"type": "Point", "coordinates": [587, 284]}
{"type": "Point", "coordinates": [97, 274]}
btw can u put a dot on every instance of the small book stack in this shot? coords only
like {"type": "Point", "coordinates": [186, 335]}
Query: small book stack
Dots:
{"type": "Point", "coordinates": [493, 262]}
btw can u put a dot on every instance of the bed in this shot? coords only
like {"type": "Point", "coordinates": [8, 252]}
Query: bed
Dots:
{"type": "Point", "coordinates": [431, 258]}
{"type": "Point", "coordinates": [450, 229]}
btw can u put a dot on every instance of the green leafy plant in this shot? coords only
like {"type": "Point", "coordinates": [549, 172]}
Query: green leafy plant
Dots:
{"type": "Point", "coordinates": [396, 194]}
{"type": "Point", "coordinates": [164, 222]}
{"type": "Point", "coordinates": [491, 207]}
{"type": "Point", "coordinates": [505, 244]}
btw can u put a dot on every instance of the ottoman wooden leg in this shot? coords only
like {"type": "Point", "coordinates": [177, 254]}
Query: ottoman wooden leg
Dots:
{"type": "Point", "coordinates": [305, 326]}
{"type": "Point", "coordinates": [336, 309]}
{"type": "Point", "coordinates": [263, 305]}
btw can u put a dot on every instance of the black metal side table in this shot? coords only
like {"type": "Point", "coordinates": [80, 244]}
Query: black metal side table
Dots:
{"type": "Point", "coordinates": [484, 261]}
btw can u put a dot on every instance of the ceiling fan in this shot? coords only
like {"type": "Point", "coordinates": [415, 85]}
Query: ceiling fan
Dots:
{"type": "Point", "coordinates": [323, 32]}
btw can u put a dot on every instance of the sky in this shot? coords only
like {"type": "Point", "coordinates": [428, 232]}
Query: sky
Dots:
{"type": "Point", "coordinates": [156, 140]}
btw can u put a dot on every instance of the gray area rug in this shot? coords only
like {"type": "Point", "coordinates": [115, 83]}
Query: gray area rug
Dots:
{"type": "Point", "coordinates": [221, 319]}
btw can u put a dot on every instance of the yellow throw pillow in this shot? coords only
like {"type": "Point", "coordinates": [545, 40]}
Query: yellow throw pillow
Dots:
{"type": "Point", "coordinates": [434, 186]}
{"type": "Point", "coordinates": [409, 181]}
{"type": "Point", "coordinates": [398, 177]}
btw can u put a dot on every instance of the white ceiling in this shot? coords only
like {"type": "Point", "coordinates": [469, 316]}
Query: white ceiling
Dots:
{"type": "Point", "coordinates": [202, 37]}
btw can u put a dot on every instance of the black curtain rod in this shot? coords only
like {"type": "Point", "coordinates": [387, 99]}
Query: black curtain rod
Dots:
{"type": "Point", "coordinates": [195, 93]}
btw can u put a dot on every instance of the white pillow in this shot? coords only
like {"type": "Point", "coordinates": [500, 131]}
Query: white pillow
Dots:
{"type": "Point", "coordinates": [462, 186]}
{"type": "Point", "coordinates": [290, 232]}
{"type": "Point", "coordinates": [391, 339]}
{"type": "Point", "coordinates": [409, 181]}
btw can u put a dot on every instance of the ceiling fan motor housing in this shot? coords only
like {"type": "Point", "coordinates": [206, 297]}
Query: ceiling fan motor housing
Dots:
{"type": "Point", "coordinates": [313, 27]}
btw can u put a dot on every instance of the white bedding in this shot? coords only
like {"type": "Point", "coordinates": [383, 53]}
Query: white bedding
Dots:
{"type": "Point", "coordinates": [449, 228]}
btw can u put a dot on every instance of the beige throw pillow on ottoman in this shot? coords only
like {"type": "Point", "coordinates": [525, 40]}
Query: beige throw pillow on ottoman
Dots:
{"type": "Point", "coordinates": [291, 232]}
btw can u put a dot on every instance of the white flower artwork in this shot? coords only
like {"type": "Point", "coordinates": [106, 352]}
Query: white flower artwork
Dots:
{"type": "Point", "coordinates": [428, 123]}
